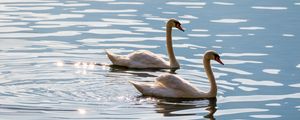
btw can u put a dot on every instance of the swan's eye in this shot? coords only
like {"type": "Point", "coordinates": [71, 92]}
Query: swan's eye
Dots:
{"type": "Point", "coordinates": [216, 56]}
{"type": "Point", "coordinates": [177, 23]}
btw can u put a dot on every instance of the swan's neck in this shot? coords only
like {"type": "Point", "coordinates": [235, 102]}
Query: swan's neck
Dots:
{"type": "Point", "coordinates": [213, 86]}
{"type": "Point", "coordinates": [172, 58]}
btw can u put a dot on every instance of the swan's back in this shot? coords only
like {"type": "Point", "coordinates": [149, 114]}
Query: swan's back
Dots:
{"type": "Point", "coordinates": [146, 59]}
{"type": "Point", "coordinates": [176, 83]}
{"type": "Point", "coordinates": [117, 59]}
{"type": "Point", "coordinates": [168, 85]}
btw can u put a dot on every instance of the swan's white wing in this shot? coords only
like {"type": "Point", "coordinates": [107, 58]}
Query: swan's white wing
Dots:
{"type": "Point", "coordinates": [152, 89]}
{"type": "Point", "coordinates": [178, 85]}
{"type": "Point", "coordinates": [172, 81]}
{"type": "Point", "coordinates": [146, 59]}
{"type": "Point", "coordinates": [168, 85]}
{"type": "Point", "coordinates": [121, 60]}
{"type": "Point", "coordinates": [144, 88]}
{"type": "Point", "coordinates": [138, 59]}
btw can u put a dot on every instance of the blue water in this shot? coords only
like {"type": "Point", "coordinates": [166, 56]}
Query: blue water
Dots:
{"type": "Point", "coordinates": [50, 51]}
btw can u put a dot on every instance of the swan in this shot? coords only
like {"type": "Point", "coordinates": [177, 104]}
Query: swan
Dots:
{"type": "Point", "coordinates": [172, 86]}
{"type": "Point", "coordinates": [147, 59]}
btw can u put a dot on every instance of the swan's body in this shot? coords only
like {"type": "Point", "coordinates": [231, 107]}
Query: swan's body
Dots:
{"type": "Point", "coordinates": [147, 59]}
{"type": "Point", "coordinates": [138, 59]}
{"type": "Point", "coordinates": [169, 85]}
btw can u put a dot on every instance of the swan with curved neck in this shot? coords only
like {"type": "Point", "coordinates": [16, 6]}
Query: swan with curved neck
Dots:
{"type": "Point", "coordinates": [147, 59]}
{"type": "Point", "coordinates": [169, 85]}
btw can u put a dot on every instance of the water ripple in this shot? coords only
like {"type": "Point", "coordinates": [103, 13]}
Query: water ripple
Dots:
{"type": "Point", "coordinates": [30, 35]}
{"type": "Point", "coordinates": [126, 3]}
{"type": "Point", "coordinates": [252, 28]}
{"type": "Point", "coordinates": [256, 98]}
{"type": "Point", "coordinates": [112, 31]}
{"type": "Point", "coordinates": [265, 116]}
{"type": "Point", "coordinates": [243, 54]}
{"type": "Point", "coordinates": [188, 17]}
{"type": "Point", "coordinates": [129, 39]}
{"type": "Point", "coordinates": [53, 63]}
{"type": "Point", "coordinates": [257, 83]}
{"type": "Point", "coordinates": [269, 8]}
{"type": "Point", "coordinates": [30, 16]}
{"type": "Point", "coordinates": [123, 45]}
{"type": "Point", "coordinates": [199, 35]}
{"type": "Point", "coordinates": [227, 61]}
{"type": "Point", "coordinates": [12, 23]}
{"type": "Point", "coordinates": [14, 29]}
{"type": "Point", "coordinates": [297, 85]}
{"type": "Point", "coordinates": [223, 3]}
{"type": "Point", "coordinates": [273, 104]}
{"type": "Point", "coordinates": [229, 21]}
{"type": "Point", "coordinates": [232, 70]}
{"type": "Point", "coordinates": [106, 11]}
{"type": "Point", "coordinates": [229, 35]}
{"type": "Point", "coordinates": [60, 24]}
{"type": "Point", "coordinates": [113, 21]}
{"type": "Point", "coordinates": [271, 71]}
{"type": "Point", "coordinates": [247, 89]}
{"type": "Point", "coordinates": [22, 1]}
{"type": "Point", "coordinates": [187, 3]}
{"type": "Point", "coordinates": [147, 29]}
{"type": "Point", "coordinates": [288, 35]}
{"type": "Point", "coordinates": [238, 111]}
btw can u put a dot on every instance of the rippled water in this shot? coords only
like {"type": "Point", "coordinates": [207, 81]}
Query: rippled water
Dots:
{"type": "Point", "coordinates": [51, 50]}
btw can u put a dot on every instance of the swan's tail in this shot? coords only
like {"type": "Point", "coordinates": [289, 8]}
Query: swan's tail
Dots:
{"type": "Point", "coordinates": [141, 87]}
{"type": "Point", "coordinates": [111, 56]}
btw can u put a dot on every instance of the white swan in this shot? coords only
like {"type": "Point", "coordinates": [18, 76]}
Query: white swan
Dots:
{"type": "Point", "coordinates": [147, 59]}
{"type": "Point", "coordinates": [169, 85]}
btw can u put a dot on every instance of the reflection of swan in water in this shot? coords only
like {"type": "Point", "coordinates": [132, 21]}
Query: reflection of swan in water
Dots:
{"type": "Point", "coordinates": [147, 59]}
{"type": "Point", "coordinates": [169, 85]}
{"type": "Point", "coordinates": [137, 72]}
{"type": "Point", "coordinates": [114, 68]}
{"type": "Point", "coordinates": [172, 107]}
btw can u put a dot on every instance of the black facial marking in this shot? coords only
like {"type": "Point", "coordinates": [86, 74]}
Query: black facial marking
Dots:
{"type": "Point", "coordinates": [177, 23]}
{"type": "Point", "coordinates": [216, 56]}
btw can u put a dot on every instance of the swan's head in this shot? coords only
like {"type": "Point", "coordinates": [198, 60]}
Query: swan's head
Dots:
{"type": "Point", "coordinates": [175, 23]}
{"type": "Point", "coordinates": [212, 55]}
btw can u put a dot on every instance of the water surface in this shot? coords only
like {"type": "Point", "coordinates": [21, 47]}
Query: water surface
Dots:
{"type": "Point", "coordinates": [51, 50]}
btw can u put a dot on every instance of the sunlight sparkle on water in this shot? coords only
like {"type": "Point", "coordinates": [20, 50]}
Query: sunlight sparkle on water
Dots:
{"type": "Point", "coordinates": [256, 82]}
{"type": "Point", "coordinates": [247, 88]}
{"type": "Point", "coordinates": [219, 40]}
{"type": "Point", "coordinates": [269, 46]}
{"type": "Point", "coordinates": [229, 20]}
{"type": "Point", "coordinates": [59, 63]}
{"type": "Point", "coordinates": [295, 85]}
{"type": "Point", "coordinates": [269, 8]}
{"type": "Point", "coordinates": [265, 116]}
{"type": "Point", "coordinates": [77, 64]}
{"type": "Point", "coordinates": [223, 3]}
{"type": "Point", "coordinates": [91, 65]}
{"type": "Point", "coordinates": [81, 111]}
{"type": "Point", "coordinates": [273, 104]}
{"type": "Point", "coordinates": [288, 35]}
{"type": "Point", "coordinates": [271, 71]}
